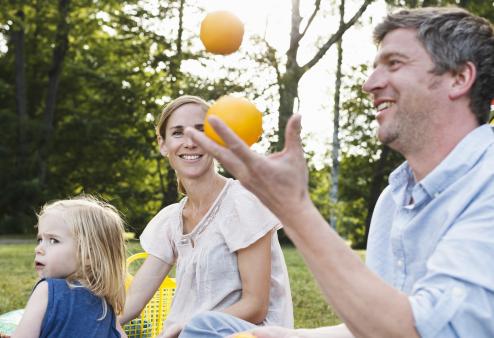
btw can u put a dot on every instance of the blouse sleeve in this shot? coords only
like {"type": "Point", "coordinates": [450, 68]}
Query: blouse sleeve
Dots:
{"type": "Point", "coordinates": [157, 239]}
{"type": "Point", "coordinates": [246, 219]}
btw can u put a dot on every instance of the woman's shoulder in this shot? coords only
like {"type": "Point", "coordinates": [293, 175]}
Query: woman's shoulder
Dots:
{"type": "Point", "coordinates": [236, 189]}
{"type": "Point", "coordinates": [169, 209]}
{"type": "Point", "coordinates": [170, 212]}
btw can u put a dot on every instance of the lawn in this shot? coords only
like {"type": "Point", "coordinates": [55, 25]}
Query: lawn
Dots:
{"type": "Point", "coordinates": [18, 277]}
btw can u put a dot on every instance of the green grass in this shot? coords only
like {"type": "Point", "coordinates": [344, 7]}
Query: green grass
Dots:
{"type": "Point", "coordinates": [18, 277]}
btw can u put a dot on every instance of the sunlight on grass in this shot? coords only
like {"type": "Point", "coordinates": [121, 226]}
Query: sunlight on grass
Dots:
{"type": "Point", "coordinates": [18, 278]}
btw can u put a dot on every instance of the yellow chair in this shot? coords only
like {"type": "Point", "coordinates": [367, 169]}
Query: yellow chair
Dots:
{"type": "Point", "coordinates": [150, 322]}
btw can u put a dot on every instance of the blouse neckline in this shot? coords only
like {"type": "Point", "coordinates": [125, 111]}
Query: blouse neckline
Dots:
{"type": "Point", "coordinates": [207, 218]}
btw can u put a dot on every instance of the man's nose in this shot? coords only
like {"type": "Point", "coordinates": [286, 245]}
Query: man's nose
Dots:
{"type": "Point", "coordinates": [377, 80]}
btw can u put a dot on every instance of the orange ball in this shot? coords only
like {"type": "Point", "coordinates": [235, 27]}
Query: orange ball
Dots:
{"type": "Point", "coordinates": [221, 32]}
{"type": "Point", "coordinates": [240, 115]}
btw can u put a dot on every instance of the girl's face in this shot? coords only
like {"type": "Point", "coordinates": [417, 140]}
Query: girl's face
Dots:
{"type": "Point", "coordinates": [186, 157]}
{"type": "Point", "coordinates": [55, 254]}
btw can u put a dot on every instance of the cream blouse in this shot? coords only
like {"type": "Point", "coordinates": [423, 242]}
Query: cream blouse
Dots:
{"type": "Point", "coordinates": [207, 272]}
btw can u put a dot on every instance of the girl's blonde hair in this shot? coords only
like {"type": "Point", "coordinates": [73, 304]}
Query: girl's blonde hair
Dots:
{"type": "Point", "coordinates": [98, 231]}
{"type": "Point", "coordinates": [167, 112]}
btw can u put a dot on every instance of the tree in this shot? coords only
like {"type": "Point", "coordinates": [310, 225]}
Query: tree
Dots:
{"type": "Point", "coordinates": [89, 79]}
{"type": "Point", "coordinates": [288, 79]}
{"type": "Point", "coordinates": [365, 164]}
{"type": "Point", "coordinates": [335, 152]}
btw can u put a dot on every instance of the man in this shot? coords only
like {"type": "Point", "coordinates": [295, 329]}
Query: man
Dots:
{"type": "Point", "coordinates": [431, 244]}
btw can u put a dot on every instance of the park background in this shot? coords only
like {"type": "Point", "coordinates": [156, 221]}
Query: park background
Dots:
{"type": "Point", "coordinates": [82, 82]}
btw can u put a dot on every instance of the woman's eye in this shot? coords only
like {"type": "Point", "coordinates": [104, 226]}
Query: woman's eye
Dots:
{"type": "Point", "coordinates": [177, 133]}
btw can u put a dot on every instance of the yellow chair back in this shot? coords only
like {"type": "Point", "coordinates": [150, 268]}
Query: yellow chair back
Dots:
{"type": "Point", "coordinates": [150, 323]}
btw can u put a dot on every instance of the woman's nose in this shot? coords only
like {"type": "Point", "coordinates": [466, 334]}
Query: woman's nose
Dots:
{"type": "Point", "coordinates": [188, 142]}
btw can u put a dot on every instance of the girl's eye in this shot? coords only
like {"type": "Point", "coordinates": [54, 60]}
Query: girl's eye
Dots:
{"type": "Point", "coordinates": [53, 241]}
{"type": "Point", "coordinates": [38, 240]}
{"type": "Point", "coordinates": [177, 133]}
{"type": "Point", "coordinates": [201, 128]}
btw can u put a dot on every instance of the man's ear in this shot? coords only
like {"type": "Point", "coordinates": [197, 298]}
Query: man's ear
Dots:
{"type": "Point", "coordinates": [162, 146]}
{"type": "Point", "coordinates": [463, 81]}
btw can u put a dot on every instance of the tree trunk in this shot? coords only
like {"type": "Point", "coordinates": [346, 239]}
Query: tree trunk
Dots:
{"type": "Point", "coordinates": [288, 81]}
{"type": "Point", "coordinates": [336, 124]}
{"type": "Point", "coordinates": [170, 194]}
{"type": "Point", "coordinates": [288, 91]}
{"type": "Point", "coordinates": [20, 89]}
{"type": "Point", "coordinates": [54, 74]}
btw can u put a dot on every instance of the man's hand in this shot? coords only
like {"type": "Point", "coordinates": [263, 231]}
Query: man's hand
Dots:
{"type": "Point", "coordinates": [280, 180]}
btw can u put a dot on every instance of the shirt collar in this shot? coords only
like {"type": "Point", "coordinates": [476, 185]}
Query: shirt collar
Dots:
{"type": "Point", "coordinates": [463, 157]}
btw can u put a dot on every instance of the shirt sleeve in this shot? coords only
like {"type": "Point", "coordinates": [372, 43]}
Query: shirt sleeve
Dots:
{"type": "Point", "coordinates": [247, 219]}
{"type": "Point", "coordinates": [456, 296]}
{"type": "Point", "coordinates": [157, 237]}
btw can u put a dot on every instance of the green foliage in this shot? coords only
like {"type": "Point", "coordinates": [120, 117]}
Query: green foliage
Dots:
{"type": "Point", "coordinates": [121, 66]}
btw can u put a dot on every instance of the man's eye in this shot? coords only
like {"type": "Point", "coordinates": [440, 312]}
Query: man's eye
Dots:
{"type": "Point", "coordinates": [394, 63]}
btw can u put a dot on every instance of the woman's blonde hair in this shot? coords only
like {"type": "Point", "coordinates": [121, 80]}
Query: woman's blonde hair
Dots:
{"type": "Point", "coordinates": [167, 112]}
{"type": "Point", "coordinates": [98, 231]}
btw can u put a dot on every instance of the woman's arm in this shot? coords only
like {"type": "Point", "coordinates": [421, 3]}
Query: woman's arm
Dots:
{"type": "Point", "coordinates": [145, 283]}
{"type": "Point", "coordinates": [121, 330]}
{"type": "Point", "coordinates": [30, 325]}
{"type": "Point", "coordinates": [254, 265]}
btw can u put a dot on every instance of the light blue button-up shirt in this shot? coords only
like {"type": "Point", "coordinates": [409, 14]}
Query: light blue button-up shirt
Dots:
{"type": "Point", "coordinates": [434, 240]}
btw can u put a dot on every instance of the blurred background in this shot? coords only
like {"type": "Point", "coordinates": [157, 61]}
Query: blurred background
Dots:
{"type": "Point", "coordinates": [82, 82]}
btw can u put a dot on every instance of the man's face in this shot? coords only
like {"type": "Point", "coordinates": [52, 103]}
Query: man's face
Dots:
{"type": "Point", "coordinates": [405, 92]}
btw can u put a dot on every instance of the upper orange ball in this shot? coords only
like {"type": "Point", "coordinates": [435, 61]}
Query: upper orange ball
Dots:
{"type": "Point", "coordinates": [221, 32]}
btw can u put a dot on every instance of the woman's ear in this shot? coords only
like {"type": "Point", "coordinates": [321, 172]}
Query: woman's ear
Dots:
{"type": "Point", "coordinates": [162, 146]}
{"type": "Point", "coordinates": [463, 81]}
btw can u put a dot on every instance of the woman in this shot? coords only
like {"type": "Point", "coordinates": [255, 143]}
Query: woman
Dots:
{"type": "Point", "coordinates": [221, 238]}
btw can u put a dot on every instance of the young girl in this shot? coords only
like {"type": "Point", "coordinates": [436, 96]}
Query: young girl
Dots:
{"type": "Point", "coordinates": [221, 238]}
{"type": "Point", "coordinates": [80, 258]}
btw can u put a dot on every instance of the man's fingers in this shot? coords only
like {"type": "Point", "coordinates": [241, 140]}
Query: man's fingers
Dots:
{"type": "Point", "coordinates": [233, 142]}
{"type": "Point", "coordinates": [207, 144]}
{"type": "Point", "coordinates": [224, 155]}
{"type": "Point", "coordinates": [292, 132]}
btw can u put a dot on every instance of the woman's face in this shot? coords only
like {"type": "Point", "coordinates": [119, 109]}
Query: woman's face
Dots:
{"type": "Point", "coordinates": [186, 157]}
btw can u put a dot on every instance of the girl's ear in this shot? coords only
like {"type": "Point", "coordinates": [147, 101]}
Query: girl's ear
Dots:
{"type": "Point", "coordinates": [162, 146]}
